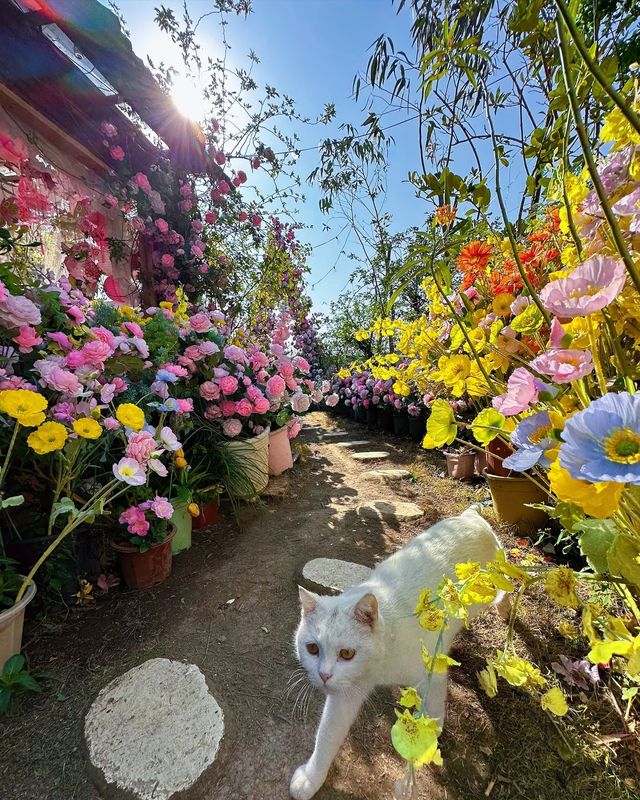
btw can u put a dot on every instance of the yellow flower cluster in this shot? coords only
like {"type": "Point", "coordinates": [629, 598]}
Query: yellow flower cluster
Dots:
{"type": "Point", "coordinates": [25, 406]}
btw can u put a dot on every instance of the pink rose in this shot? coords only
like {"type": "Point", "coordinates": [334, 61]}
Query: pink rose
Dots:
{"type": "Point", "coordinates": [211, 217]}
{"type": "Point", "coordinates": [27, 339]}
{"type": "Point", "coordinates": [62, 381]}
{"type": "Point", "coordinates": [161, 507]}
{"type": "Point", "coordinates": [111, 423]}
{"type": "Point", "coordinates": [167, 260]}
{"type": "Point", "coordinates": [209, 390]}
{"type": "Point", "coordinates": [302, 364]}
{"type": "Point", "coordinates": [141, 446]}
{"type": "Point", "coordinates": [194, 353]}
{"type": "Point", "coordinates": [228, 385]}
{"type": "Point", "coordinates": [200, 322]}
{"type": "Point", "coordinates": [117, 152]}
{"type": "Point", "coordinates": [227, 408]}
{"type": "Point", "coordinates": [208, 348]}
{"type": "Point", "coordinates": [185, 405]}
{"type": "Point", "coordinates": [103, 334]}
{"type": "Point", "coordinates": [141, 180]}
{"type": "Point", "coordinates": [261, 405]}
{"type": "Point", "coordinates": [258, 360]}
{"type": "Point", "coordinates": [300, 403]}
{"type": "Point", "coordinates": [232, 427]}
{"type": "Point", "coordinates": [244, 408]}
{"type": "Point", "coordinates": [275, 386]}
{"type": "Point", "coordinates": [162, 225]}
{"type": "Point", "coordinates": [235, 354]}
{"type": "Point", "coordinates": [95, 353]}
{"type": "Point", "coordinates": [256, 220]}
{"type": "Point", "coordinates": [212, 411]}
{"type": "Point", "coordinates": [17, 311]}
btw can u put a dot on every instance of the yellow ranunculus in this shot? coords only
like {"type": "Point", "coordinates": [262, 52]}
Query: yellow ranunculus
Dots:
{"type": "Point", "coordinates": [25, 406]}
{"type": "Point", "coordinates": [441, 425]}
{"type": "Point", "coordinates": [50, 436]}
{"type": "Point", "coordinates": [555, 702]}
{"type": "Point", "coordinates": [598, 500]}
{"type": "Point", "coordinates": [560, 585]}
{"type": "Point", "coordinates": [416, 739]}
{"type": "Point", "coordinates": [87, 428]}
{"type": "Point", "coordinates": [130, 416]}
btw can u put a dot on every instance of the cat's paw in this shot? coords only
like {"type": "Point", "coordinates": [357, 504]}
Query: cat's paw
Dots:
{"type": "Point", "coordinates": [304, 783]}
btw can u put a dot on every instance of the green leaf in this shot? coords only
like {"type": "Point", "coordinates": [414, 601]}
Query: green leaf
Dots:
{"type": "Point", "coordinates": [596, 540]}
{"type": "Point", "coordinates": [5, 699]}
{"type": "Point", "coordinates": [623, 559]}
{"type": "Point", "coordinates": [64, 506]}
{"type": "Point", "coordinates": [8, 502]}
{"type": "Point", "coordinates": [27, 682]}
{"type": "Point", "coordinates": [13, 666]}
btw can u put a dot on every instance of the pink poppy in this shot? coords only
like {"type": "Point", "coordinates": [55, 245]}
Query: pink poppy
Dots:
{"type": "Point", "coordinates": [589, 288]}
{"type": "Point", "coordinates": [522, 390]}
{"type": "Point", "coordinates": [564, 366]}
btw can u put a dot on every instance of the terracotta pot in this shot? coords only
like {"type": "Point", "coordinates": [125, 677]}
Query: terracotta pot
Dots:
{"type": "Point", "coordinates": [280, 455]}
{"type": "Point", "coordinates": [182, 522]}
{"type": "Point", "coordinates": [401, 424]}
{"type": "Point", "coordinates": [372, 417]}
{"type": "Point", "coordinates": [141, 570]}
{"type": "Point", "coordinates": [481, 462]}
{"type": "Point", "coordinates": [510, 494]}
{"type": "Point", "coordinates": [417, 427]}
{"type": "Point", "coordinates": [253, 455]}
{"type": "Point", "coordinates": [11, 623]}
{"type": "Point", "coordinates": [498, 448]}
{"type": "Point", "coordinates": [461, 466]}
{"type": "Point", "coordinates": [208, 515]}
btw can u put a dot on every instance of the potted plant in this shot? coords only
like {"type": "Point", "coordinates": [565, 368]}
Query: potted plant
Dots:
{"type": "Point", "coordinates": [11, 613]}
{"type": "Point", "coordinates": [207, 503]}
{"type": "Point", "coordinates": [143, 543]}
{"type": "Point", "coordinates": [460, 462]}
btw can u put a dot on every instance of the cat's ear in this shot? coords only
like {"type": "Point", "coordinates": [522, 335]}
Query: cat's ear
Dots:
{"type": "Point", "coordinates": [366, 610]}
{"type": "Point", "coordinates": [308, 601]}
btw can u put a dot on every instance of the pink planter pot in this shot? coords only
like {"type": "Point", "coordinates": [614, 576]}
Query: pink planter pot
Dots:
{"type": "Point", "coordinates": [280, 456]}
{"type": "Point", "coordinates": [461, 466]}
{"type": "Point", "coordinates": [11, 622]}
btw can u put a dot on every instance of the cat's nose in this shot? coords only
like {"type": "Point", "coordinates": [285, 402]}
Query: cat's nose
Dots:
{"type": "Point", "coordinates": [325, 676]}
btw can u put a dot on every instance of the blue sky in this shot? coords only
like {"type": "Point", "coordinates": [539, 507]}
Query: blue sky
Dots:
{"type": "Point", "coordinates": [310, 50]}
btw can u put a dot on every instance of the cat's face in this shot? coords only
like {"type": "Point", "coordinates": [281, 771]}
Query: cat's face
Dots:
{"type": "Point", "coordinates": [338, 642]}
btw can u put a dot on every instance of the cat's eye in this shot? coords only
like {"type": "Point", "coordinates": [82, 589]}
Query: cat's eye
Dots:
{"type": "Point", "coordinates": [347, 654]}
{"type": "Point", "coordinates": [313, 648]}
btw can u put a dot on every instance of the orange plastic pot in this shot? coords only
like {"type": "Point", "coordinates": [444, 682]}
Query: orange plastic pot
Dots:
{"type": "Point", "coordinates": [510, 496]}
{"type": "Point", "coordinates": [280, 455]}
{"type": "Point", "coordinates": [11, 624]}
{"type": "Point", "coordinates": [207, 516]}
{"type": "Point", "coordinates": [142, 570]}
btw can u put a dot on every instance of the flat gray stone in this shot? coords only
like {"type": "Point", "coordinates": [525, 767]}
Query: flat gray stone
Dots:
{"type": "Point", "coordinates": [155, 729]}
{"type": "Point", "coordinates": [357, 443]}
{"type": "Point", "coordinates": [389, 510]}
{"type": "Point", "coordinates": [335, 433]}
{"type": "Point", "coordinates": [334, 574]}
{"type": "Point", "coordinates": [386, 474]}
{"type": "Point", "coordinates": [372, 455]}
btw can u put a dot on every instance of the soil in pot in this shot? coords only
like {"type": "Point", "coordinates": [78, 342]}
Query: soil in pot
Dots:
{"type": "Point", "coordinates": [401, 424]}
{"type": "Point", "coordinates": [11, 624]}
{"type": "Point", "coordinates": [141, 570]}
{"type": "Point", "coordinates": [280, 455]}
{"type": "Point", "coordinates": [461, 466]}
{"type": "Point", "coordinates": [510, 495]}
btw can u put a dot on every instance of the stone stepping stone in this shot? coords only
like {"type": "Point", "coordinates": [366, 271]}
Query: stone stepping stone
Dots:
{"type": "Point", "coordinates": [386, 474]}
{"type": "Point", "coordinates": [372, 455]}
{"type": "Point", "coordinates": [335, 433]}
{"type": "Point", "coordinates": [333, 574]}
{"type": "Point", "coordinates": [154, 730]}
{"type": "Point", "coordinates": [389, 510]}
{"type": "Point", "coordinates": [357, 443]}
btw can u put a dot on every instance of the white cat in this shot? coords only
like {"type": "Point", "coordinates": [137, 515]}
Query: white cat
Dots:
{"type": "Point", "coordinates": [368, 636]}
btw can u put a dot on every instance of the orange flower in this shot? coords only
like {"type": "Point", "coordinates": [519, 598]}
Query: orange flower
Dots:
{"type": "Point", "coordinates": [445, 214]}
{"type": "Point", "coordinates": [474, 257]}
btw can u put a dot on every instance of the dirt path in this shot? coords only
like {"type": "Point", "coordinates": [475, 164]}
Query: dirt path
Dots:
{"type": "Point", "coordinates": [244, 648]}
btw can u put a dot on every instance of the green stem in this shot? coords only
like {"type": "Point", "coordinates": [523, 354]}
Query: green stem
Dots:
{"type": "Point", "coordinates": [7, 458]}
{"type": "Point", "coordinates": [565, 197]}
{"type": "Point", "coordinates": [622, 360]}
{"type": "Point", "coordinates": [602, 382]}
{"type": "Point", "coordinates": [594, 68]}
{"type": "Point", "coordinates": [505, 216]}
{"type": "Point", "coordinates": [590, 161]}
